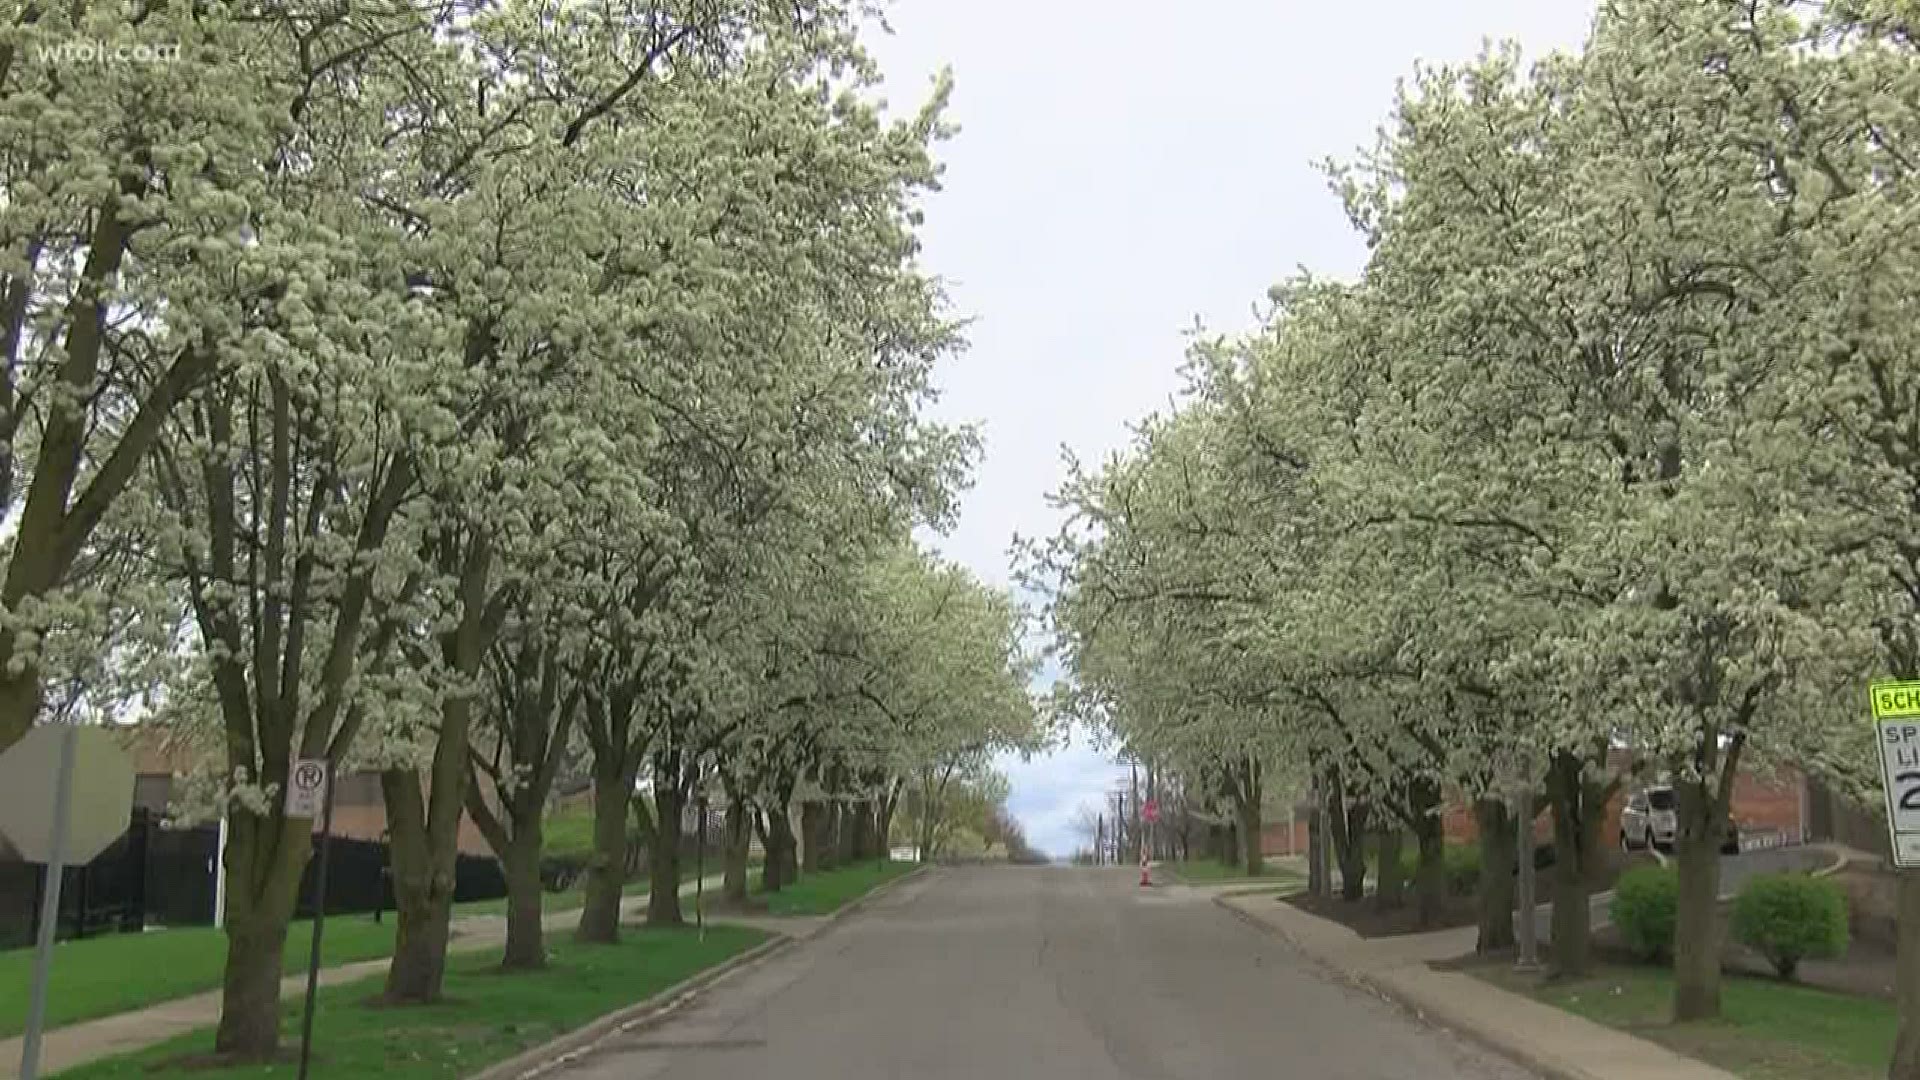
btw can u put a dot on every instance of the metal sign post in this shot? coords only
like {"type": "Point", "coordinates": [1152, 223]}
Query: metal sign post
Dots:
{"type": "Point", "coordinates": [1328, 863]}
{"type": "Point", "coordinates": [220, 876]}
{"type": "Point", "coordinates": [1896, 717]}
{"type": "Point", "coordinates": [1896, 712]}
{"type": "Point", "coordinates": [700, 871]}
{"type": "Point", "coordinates": [307, 778]}
{"type": "Point", "coordinates": [49, 907]}
{"type": "Point", "coordinates": [1151, 812]}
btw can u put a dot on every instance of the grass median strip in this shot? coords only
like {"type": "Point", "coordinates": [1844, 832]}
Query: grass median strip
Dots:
{"type": "Point", "coordinates": [1209, 871]}
{"type": "Point", "coordinates": [825, 892]}
{"type": "Point", "coordinates": [486, 1016]}
{"type": "Point", "coordinates": [113, 973]}
{"type": "Point", "coordinates": [1769, 1030]}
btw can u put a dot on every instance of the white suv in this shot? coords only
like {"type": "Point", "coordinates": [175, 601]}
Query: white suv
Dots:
{"type": "Point", "coordinates": [1648, 821]}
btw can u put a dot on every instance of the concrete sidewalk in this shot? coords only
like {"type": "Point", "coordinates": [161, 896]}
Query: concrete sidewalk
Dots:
{"type": "Point", "coordinates": [90, 1040]}
{"type": "Point", "coordinates": [1557, 1044]}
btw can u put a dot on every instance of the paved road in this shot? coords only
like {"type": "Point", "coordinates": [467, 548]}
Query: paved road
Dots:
{"type": "Point", "coordinates": [1038, 974]}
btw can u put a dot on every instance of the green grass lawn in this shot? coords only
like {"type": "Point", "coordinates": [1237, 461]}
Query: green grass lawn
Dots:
{"type": "Point", "coordinates": [1770, 1030]}
{"type": "Point", "coordinates": [825, 892]}
{"type": "Point", "coordinates": [112, 973]}
{"type": "Point", "coordinates": [1206, 871]}
{"type": "Point", "coordinates": [486, 1017]}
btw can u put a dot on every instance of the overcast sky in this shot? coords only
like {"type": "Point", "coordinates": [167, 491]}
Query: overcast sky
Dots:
{"type": "Point", "coordinates": [1124, 168]}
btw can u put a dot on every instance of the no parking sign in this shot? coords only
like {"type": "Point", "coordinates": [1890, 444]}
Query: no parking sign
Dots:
{"type": "Point", "coordinates": [306, 788]}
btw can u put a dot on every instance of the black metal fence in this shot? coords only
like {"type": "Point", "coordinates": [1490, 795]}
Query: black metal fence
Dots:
{"type": "Point", "coordinates": [156, 876]}
{"type": "Point", "coordinates": [1833, 816]}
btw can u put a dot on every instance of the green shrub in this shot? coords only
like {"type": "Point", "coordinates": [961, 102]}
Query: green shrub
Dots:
{"type": "Point", "coordinates": [1788, 918]}
{"type": "Point", "coordinates": [1645, 904]}
{"type": "Point", "coordinates": [1463, 869]}
{"type": "Point", "coordinates": [1462, 862]}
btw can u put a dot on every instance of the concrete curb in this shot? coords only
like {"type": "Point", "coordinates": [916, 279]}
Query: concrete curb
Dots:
{"type": "Point", "coordinates": [1840, 861]}
{"type": "Point", "coordinates": [1373, 986]}
{"type": "Point", "coordinates": [1552, 1070]}
{"type": "Point", "coordinates": [1498, 1040]}
{"type": "Point", "coordinates": [1346, 975]}
{"type": "Point", "coordinates": [571, 1046]}
{"type": "Point", "coordinates": [868, 897]}
{"type": "Point", "coordinates": [581, 1041]}
{"type": "Point", "coordinates": [1430, 1009]}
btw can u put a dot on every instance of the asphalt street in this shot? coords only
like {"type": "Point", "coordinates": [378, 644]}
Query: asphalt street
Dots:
{"type": "Point", "coordinates": [1045, 973]}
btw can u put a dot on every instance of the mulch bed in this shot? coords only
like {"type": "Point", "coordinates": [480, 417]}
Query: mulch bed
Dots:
{"type": "Point", "coordinates": [1366, 918]}
{"type": "Point", "coordinates": [1363, 917]}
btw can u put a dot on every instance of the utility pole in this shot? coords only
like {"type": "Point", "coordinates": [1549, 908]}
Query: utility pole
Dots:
{"type": "Point", "coordinates": [1133, 770]}
{"type": "Point", "coordinates": [1151, 840]}
{"type": "Point", "coordinates": [1327, 861]}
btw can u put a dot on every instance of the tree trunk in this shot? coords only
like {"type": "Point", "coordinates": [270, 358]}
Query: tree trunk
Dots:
{"type": "Point", "coordinates": [1696, 931]}
{"type": "Point", "coordinates": [782, 867]}
{"type": "Point", "coordinates": [1349, 845]}
{"type": "Point", "coordinates": [1317, 863]}
{"type": "Point", "coordinates": [264, 860]}
{"type": "Point", "coordinates": [425, 827]}
{"type": "Point", "coordinates": [420, 943]}
{"type": "Point", "coordinates": [812, 836]}
{"type": "Point", "coordinates": [607, 866]}
{"type": "Point", "coordinates": [663, 861]}
{"type": "Point", "coordinates": [1390, 892]}
{"type": "Point", "coordinates": [847, 837]}
{"type": "Point", "coordinates": [1497, 868]}
{"type": "Point", "coordinates": [770, 865]}
{"type": "Point", "coordinates": [873, 843]}
{"type": "Point", "coordinates": [21, 697]}
{"type": "Point", "coordinates": [789, 846]}
{"type": "Point", "coordinates": [1430, 879]}
{"type": "Point", "coordinates": [250, 988]}
{"type": "Point", "coordinates": [526, 944]}
{"type": "Point", "coordinates": [423, 882]}
{"type": "Point", "coordinates": [1577, 817]}
{"type": "Point", "coordinates": [1906, 1048]}
{"type": "Point", "coordinates": [1244, 785]}
{"type": "Point", "coordinates": [733, 888]}
{"type": "Point", "coordinates": [52, 523]}
{"type": "Point", "coordinates": [830, 830]}
{"type": "Point", "coordinates": [1254, 860]}
{"type": "Point", "coordinates": [883, 822]}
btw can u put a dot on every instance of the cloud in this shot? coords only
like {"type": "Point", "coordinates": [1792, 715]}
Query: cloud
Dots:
{"type": "Point", "coordinates": [1050, 791]}
{"type": "Point", "coordinates": [1119, 175]}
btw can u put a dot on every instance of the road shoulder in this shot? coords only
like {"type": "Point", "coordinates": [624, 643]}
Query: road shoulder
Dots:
{"type": "Point", "coordinates": [787, 932]}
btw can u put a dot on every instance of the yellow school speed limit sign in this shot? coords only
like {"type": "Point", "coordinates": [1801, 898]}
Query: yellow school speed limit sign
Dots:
{"type": "Point", "coordinates": [1896, 713]}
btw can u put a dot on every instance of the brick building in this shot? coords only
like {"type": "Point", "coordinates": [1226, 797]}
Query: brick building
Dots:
{"type": "Point", "coordinates": [1764, 802]}
{"type": "Point", "coordinates": [359, 810]}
